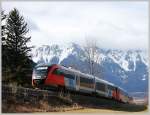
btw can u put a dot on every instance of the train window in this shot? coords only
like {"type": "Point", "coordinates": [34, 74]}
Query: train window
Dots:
{"type": "Point", "coordinates": [63, 72]}
{"type": "Point", "coordinates": [86, 82]}
{"type": "Point", "coordinates": [100, 86]}
{"type": "Point", "coordinates": [67, 74]}
{"type": "Point", "coordinates": [70, 76]}
{"type": "Point", "coordinates": [111, 87]}
{"type": "Point", "coordinates": [41, 71]}
{"type": "Point", "coordinates": [57, 72]}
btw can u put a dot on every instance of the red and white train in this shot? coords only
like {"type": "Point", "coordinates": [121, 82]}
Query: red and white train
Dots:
{"type": "Point", "coordinates": [58, 76]}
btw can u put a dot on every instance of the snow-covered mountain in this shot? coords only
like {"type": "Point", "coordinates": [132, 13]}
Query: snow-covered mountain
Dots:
{"type": "Point", "coordinates": [126, 68]}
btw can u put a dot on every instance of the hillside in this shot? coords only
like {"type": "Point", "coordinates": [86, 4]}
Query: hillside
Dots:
{"type": "Point", "coordinates": [27, 100]}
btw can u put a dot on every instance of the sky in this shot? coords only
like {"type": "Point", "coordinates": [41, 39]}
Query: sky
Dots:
{"type": "Point", "coordinates": [117, 25]}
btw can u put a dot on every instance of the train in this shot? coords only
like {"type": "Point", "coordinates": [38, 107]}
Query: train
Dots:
{"type": "Point", "coordinates": [61, 77]}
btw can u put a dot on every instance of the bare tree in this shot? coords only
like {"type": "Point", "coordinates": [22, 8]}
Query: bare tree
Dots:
{"type": "Point", "coordinates": [92, 55]}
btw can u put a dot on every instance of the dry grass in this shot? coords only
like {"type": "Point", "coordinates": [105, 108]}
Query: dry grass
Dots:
{"type": "Point", "coordinates": [15, 102]}
{"type": "Point", "coordinates": [43, 106]}
{"type": "Point", "coordinates": [94, 110]}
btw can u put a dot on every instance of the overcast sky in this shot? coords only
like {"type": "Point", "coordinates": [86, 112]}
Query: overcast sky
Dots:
{"type": "Point", "coordinates": [113, 24]}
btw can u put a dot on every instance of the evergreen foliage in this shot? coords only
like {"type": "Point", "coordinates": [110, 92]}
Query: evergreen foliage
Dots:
{"type": "Point", "coordinates": [16, 59]}
{"type": "Point", "coordinates": [3, 18]}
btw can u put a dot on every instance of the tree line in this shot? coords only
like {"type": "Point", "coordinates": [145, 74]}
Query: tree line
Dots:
{"type": "Point", "coordinates": [16, 59]}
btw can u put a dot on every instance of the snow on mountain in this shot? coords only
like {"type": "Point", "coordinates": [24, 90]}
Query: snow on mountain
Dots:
{"type": "Point", "coordinates": [120, 67]}
{"type": "Point", "coordinates": [125, 59]}
{"type": "Point", "coordinates": [65, 53]}
{"type": "Point", "coordinates": [45, 53]}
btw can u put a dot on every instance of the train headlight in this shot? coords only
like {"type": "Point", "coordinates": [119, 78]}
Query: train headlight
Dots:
{"type": "Point", "coordinates": [38, 77]}
{"type": "Point", "coordinates": [44, 77]}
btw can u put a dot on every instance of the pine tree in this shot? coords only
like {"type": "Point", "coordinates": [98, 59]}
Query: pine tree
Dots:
{"type": "Point", "coordinates": [3, 26]}
{"type": "Point", "coordinates": [4, 48]}
{"type": "Point", "coordinates": [17, 58]}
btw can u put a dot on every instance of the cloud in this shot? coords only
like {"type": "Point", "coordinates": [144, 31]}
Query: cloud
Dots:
{"type": "Point", "coordinates": [31, 25]}
{"type": "Point", "coordinates": [113, 24]}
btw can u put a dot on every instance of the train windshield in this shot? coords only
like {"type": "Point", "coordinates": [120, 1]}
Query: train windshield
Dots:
{"type": "Point", "coordinates": [58, 72]}
{"type": "Point", "coordinates": [40, 72]}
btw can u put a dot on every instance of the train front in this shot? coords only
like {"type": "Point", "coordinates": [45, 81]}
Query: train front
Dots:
{"type": "Point", "coordinates": [39, 75]}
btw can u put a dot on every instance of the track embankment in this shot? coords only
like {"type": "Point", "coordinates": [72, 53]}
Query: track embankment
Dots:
{"type": "Point", "coordinates": [19, 99]}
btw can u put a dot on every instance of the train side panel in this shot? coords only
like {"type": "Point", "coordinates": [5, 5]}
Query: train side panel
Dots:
{"type": "Point", "coordinates": [86, 84]}
{"type": "Point", "coordinates": [54, 78]}
{"type": "Point", "coordinates": [77, 82]}
{"type": "Point", "coordinates": [123, 96]}
{"type": "Point", "coordinates": [70, 81]}
{"type": "Point", "coordinates": [101, 88]}
{"type": "Point", "coordinates": [110, 89]}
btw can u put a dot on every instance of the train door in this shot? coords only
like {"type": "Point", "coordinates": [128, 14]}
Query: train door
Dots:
{"type": "Point", "coordinates": [114, 94]}
{"type": "Point", "coordinates": [70, 80]}
{"type": "Point", "coordinates": [77, 83]}
{"type": "Point", "coordinates": [109, 89]}
{"type": "Point", "coordinates": [117, 94]}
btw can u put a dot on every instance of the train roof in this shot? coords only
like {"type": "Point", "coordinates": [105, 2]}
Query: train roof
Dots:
{"type": "Point", "coordinates": [41, 65]}
{"type": "Point", "coordinates": [77, 72]}
{"type": "Point", "coordinates": [104, 81]}
{"type": "Point", "coordinates": [122, 89]}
